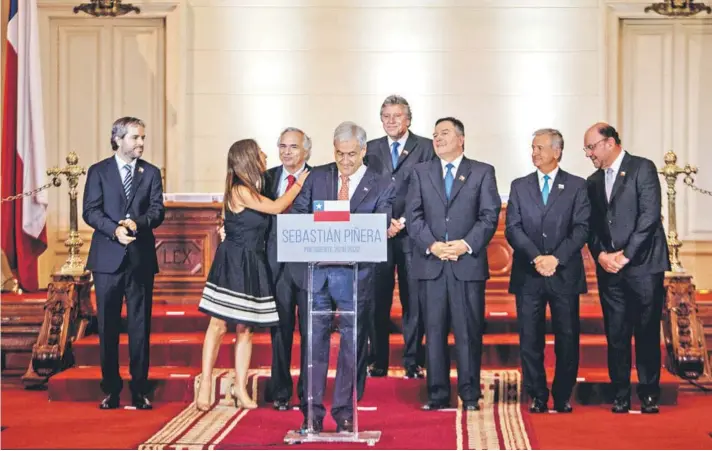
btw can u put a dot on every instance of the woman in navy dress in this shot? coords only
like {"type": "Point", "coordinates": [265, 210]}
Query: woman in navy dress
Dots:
{"type": "Point", "coordinates": [238, 290]}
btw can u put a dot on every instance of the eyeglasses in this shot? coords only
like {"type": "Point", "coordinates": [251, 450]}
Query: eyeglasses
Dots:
{"type": "Point", "coordinates": [590, 147]}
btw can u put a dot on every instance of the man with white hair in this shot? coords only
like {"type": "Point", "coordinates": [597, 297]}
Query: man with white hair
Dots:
{"type": "Point", "coordinates": [367, 192]}
{"type": "Point", "coordinates": [294, 151]}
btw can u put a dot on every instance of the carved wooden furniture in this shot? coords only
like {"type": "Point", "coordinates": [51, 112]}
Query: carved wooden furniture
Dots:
{"type": "Point", "coordinates": [67, 313]}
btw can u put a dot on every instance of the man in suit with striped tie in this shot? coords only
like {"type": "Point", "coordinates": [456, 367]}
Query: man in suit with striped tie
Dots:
{"type": "Point", "coordinates": [123, 203]}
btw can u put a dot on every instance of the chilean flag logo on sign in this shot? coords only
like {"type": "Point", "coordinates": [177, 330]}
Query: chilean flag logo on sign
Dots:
{"type": "Point", "coordinates": [332, 210]}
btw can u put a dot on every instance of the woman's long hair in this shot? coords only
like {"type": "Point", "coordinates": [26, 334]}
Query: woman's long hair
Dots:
{"type": "Point", "coordinates": [244, 167]}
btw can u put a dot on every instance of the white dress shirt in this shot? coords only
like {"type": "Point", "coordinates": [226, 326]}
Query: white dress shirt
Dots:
{"type": "Point", "coordinates": [354, 180]}
{"type": "Point", "coordinates": [121, 163]}
{"type": "Point", "coordinates": [617, 163]}
{"type": "Point", "coordinates": [455, 163]}
{"type": "Point", "coordinates": [283, 181]}
{"type": "Point", "coordinates": [552, 176]}
{"type": "Point", "coordinates": [401, 143]}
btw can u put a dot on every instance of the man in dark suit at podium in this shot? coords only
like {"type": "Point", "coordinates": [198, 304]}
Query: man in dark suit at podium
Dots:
{"type": "Point", "coordinates": [123, 203]}
{"type": "Point", "coordinates": [452, 210]}
{"type": "Point", "coordinates": [547, 226]}
{"type": "Point", "coordinates": [294, 150]}
{"type": "Point", "coordinates": [367, 192]}
{"type": "Point", "coordinates": [628, 243]}
{"type": "Point", "coordinates": [395, 155]}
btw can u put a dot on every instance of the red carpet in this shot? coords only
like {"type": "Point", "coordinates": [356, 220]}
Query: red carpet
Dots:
{"type": "Point", "coordinates": [390, 405]}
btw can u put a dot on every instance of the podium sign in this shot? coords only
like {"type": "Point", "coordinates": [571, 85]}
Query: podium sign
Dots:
{"type": "Point", "coordinates": [361, 239]}
{"type": "Point", "coordinates": [333, 251]}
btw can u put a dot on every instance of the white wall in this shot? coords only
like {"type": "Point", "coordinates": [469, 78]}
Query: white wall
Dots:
{"type": "Point", "coordinates": [504, 68]}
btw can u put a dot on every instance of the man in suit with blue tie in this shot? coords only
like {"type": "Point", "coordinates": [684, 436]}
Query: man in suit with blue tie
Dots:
{"type": "Point", "coordinates": [367, 192]}
{"type": "Point", "coordinates": [294, 150]}
{"type": "Point", "coordinates": [628, 243]}
{"type": "Point", "coordinates": [395, 155]}
{"type": "Point", "coordinates": [547, 226]}
{"type": "Point", "coordinates": [452, 210]}
{"type": "Point", "coordinates": [123, 203]}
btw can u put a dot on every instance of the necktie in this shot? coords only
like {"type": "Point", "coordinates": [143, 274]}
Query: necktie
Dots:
{"type": "Point", "coordinates": [127, 180]}
{"type": "Point", "coordinates": [545, 190]}
{"type": "Point", "coordinates": [449, 178]}
{"type": "Point", "coordinates": [609, 183]}
{"type": "Point", "coordinates": [290, 182]}
{"type": "Point", "coordinates": [344, 191]}
{"type": "Point", "coordinates": [394, 153]}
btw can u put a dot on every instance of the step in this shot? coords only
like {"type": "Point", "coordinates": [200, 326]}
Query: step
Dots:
{"type": "Point", "coordinates": [176, 384]}
{"type": "Point", "coordinates": [185, 349]}
{"type": "Point", "coordinates": [81, 383]}
{"type": "Point", "coordinates": [500, 319]}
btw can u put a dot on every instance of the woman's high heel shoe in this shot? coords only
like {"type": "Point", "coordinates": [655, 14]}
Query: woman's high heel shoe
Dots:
{"type": "Point", "coordinates": [242, 399]}
{"type": "Point", "coordinates": [203, 406]}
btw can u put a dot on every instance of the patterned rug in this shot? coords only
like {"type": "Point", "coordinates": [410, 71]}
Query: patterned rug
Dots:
{"type": "Point", "coordinates": [390, 405]}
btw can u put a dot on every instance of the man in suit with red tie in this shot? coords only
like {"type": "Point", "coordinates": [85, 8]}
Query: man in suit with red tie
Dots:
{"type": "Point", "coordinates": [394, 156]}
{"type": "Point", "coordinates": [452, 210]}
{"type": "Point", "coordinates": [547, 226]}
{"type": "Point", "coordinates": [123, 203]}
{"type": "Point", "coordinates": [294, 151]}
{"type": "Point", "coordinates": [628, 243]}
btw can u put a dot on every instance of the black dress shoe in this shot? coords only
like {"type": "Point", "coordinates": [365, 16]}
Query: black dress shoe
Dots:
{"type": "Point", "coordinates": [414, 372]}
{"type": "Point", "coordinates": [564, 407]}
{"type": "Point", "coordinates": [281, 405]}
{"type": "Point", "coordinates": [317, 426]}
{"type": "Point", "coordinates": [621, 405]}
{"type": "Point", "coordinates": [435, 405]}
{"type": "Point", "coordinates": [374, 371]}
{"type": "Point", "coordinates": [470, 406]}
{"type": "Point", "coordinates": [110, 402]}
{"type": "Point", "coordinates": [649, 405]}
{"type": "Point", "coordinates": [538, 405]}
{"type": "Point", "coordinates": [140, 402]}
{"type": "Point", "coordinates": [344, 425]}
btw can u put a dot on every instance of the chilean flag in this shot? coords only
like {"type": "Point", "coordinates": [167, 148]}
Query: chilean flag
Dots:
{"type": "Point", "coordinates": [24, 236]}
{"type": "Point", "coordinates": [332, 210]}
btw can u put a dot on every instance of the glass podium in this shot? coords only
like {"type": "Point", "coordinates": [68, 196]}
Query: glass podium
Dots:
{"type": "Point", "coordinates": [335, 311]}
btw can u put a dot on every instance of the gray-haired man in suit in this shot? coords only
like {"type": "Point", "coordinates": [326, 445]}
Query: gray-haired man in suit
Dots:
{"type": "Point", "coordinates": [547, 226]}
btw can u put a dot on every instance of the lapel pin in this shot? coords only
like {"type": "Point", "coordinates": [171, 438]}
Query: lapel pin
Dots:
{"type": "Point", "coordinates": [561, 186]}
{"type": "Point", "coordinates": [140, 169]}
{"type": "Point", "coordinates": [365, 189]}
{"type": "Point", "coordinates": [405, 152]}
{"type": "Point", "coordinates": [462, 178]}
{"type": "Point", "coordinates": [622, 173]}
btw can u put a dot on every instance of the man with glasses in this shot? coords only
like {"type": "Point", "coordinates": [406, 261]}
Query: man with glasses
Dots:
{"type": "Point", "coordinates": [628, 243]}
{"type": "Point", "coordinates": [394, 155]}
{"type": "Point", "coordinates": [547, 225]}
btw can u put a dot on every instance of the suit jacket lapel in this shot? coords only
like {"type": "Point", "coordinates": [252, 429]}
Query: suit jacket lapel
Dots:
{"type": "Point", "coordinates": [135, 182]}
{"type": "Point", "coordinates": [534, 191]}
{"type": "Point", "coordinates": [361, 190]}
{"type": "Point", "coordinates": [463, 171]}
{"type": "Point", "coordinates": [620, 178]}
{"type": "Point", "coordinates": [409, 147]}
{"type": "Point", "coordinates": [115, 176]}
{"type": "Point", "coordinates": [601, 188]}
{"type": "Point", "coordinates": [386, 154]}
{"type": "Point", "coordinates": [555, 189]}
{"type": "Point", "coordinates": [333, 184]}
{"type": "Point", "coordinates": [275, 183]}
{"type": "Point", "coordinates": [436, 176]}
